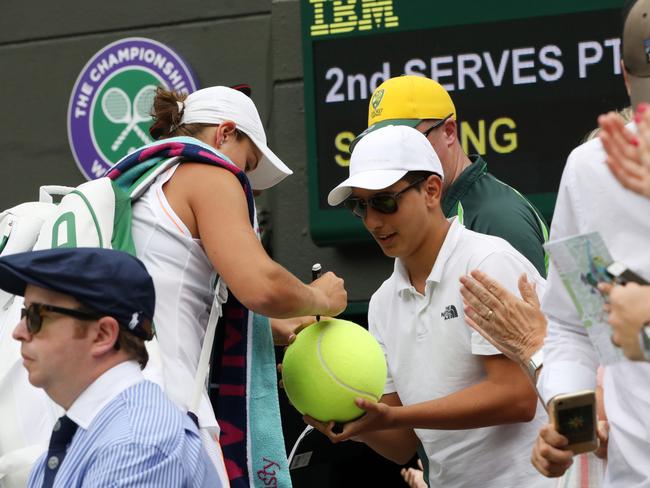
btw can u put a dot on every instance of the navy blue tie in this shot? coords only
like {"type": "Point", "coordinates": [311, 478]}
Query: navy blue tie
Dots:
{"type": "Point", "coordinates": [62, 434]}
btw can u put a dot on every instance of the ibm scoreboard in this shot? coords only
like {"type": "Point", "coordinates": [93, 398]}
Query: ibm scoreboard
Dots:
{"type": "Point", "coordinates": [528, 80]}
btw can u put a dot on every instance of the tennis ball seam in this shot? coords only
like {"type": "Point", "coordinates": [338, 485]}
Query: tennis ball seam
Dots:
{"type": "Point", "coordinates": [333, 376]}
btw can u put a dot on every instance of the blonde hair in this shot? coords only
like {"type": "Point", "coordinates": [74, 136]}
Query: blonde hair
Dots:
{"type": "Point", "coordinates": [627, 113]}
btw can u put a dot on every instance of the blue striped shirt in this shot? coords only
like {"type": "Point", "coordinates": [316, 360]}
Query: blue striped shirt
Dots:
{"type": "Point", "coordinates": [137, 438]}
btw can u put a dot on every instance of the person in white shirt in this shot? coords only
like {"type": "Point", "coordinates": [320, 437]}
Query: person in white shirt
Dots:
{"type": "Point", "coordinates": [192, 224]}
{"type": "Point", "coordinates": [592, 198]}
{"type": "Point", "coordinates": [470, 406]}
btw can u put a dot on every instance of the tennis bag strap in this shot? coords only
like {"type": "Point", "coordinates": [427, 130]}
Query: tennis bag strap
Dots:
{"type": "Point", "coordinates": [201, 378]}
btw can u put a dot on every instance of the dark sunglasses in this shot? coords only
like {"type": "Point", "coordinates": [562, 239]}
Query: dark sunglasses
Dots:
{"type": "Point", "coordinates": [436, 125]}
{"type": "Point", "coordinates": [385, 203]}
{"type": "Point", "coordinates": [34, 315]}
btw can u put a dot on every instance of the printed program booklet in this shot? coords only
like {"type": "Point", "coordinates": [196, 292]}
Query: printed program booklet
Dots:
{"type": "Point", "coordinates": [581, 262]}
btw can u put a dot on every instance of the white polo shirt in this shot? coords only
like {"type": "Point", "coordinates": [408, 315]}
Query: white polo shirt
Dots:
{"type": "Point", "coordinates": [431, 352]}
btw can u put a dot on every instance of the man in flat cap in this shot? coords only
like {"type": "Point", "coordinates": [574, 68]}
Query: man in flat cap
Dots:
{"type": "Point", "coordinates": [87, 314]}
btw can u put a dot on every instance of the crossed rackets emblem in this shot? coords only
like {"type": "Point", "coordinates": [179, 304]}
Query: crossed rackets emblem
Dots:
{"type": "Point", "coordinates": [118, 109]}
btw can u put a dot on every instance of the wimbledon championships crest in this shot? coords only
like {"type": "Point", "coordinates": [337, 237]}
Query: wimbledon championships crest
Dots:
{"type": "Point", "coordinates": [110, 106]}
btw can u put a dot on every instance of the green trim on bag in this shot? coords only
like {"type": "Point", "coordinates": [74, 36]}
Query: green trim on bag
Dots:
{"type": "Point", "coordinates": [92, 214]}
{"type": "Point", "coordinates": [122, 233]}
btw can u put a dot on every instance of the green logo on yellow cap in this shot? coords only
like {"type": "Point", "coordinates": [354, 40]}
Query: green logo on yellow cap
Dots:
{"type": "Point", "coordinates": [376, 98]}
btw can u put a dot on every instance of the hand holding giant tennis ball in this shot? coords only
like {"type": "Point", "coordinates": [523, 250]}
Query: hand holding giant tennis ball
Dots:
{"type": "Point", "coordinates": [329, 365]}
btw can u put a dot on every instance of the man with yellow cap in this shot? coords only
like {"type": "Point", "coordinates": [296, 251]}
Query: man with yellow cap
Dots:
{"type": "Point", "coordinates": [482, 202]}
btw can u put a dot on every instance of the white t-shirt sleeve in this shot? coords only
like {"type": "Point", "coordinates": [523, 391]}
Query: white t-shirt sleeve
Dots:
{"type": "Point", "coordinates": [505, 267]}
{"type": "Point", "coordinates": [570, 361]}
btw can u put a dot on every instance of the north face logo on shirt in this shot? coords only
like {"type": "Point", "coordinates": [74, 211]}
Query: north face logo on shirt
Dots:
{"type": "Point", "coordinates": [449, 313]}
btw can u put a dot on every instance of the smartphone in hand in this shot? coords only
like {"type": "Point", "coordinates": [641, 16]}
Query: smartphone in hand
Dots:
{"type": "Point", "coordinates": [622, 275]}
{"type": "Point", "coordinates": [574, 416]}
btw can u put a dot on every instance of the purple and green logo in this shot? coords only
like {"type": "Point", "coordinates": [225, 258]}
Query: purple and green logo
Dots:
{"type": "Point", "coordinates": [109, 113]}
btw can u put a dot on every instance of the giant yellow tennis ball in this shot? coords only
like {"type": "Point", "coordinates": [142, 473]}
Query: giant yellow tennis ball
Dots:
{"type": "Point", "coordinates": [330, 364]}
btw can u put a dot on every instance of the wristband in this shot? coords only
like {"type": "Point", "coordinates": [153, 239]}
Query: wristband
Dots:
{"type": "Point", "coordinates": [535, 363]}
{"type": "Point", "coordinates": [644, 341]}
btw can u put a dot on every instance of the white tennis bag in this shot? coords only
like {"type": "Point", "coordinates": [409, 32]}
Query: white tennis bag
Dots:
{"type": "Point", "coordinates": [27, 413]}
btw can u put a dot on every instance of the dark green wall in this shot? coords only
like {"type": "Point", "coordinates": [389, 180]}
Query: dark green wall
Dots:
{"type": "Point", "coordinates": [44, 46]}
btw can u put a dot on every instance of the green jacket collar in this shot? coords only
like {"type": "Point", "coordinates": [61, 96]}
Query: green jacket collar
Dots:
{"type": "Point", "coordinates": [461, 186]}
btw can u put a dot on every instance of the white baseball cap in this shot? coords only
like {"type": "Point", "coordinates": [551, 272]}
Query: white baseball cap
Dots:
{"type": "Point", "coordinates": [383, 157]}
{"type": "Point", "coordinates": [217, 104]}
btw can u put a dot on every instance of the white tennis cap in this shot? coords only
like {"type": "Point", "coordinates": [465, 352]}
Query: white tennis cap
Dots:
{"type": "Point", "coordinates": [217, 104]}
{"type": "Point", "coordinates": [383, 157]}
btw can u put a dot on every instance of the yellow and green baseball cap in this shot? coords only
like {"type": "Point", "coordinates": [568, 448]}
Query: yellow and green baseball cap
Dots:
{"type": "Point", "coordinates": [407, 100]}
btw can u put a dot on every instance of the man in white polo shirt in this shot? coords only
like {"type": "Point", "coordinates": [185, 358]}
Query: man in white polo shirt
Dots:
{"type": "Point", "coordinates": [470, 406]}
